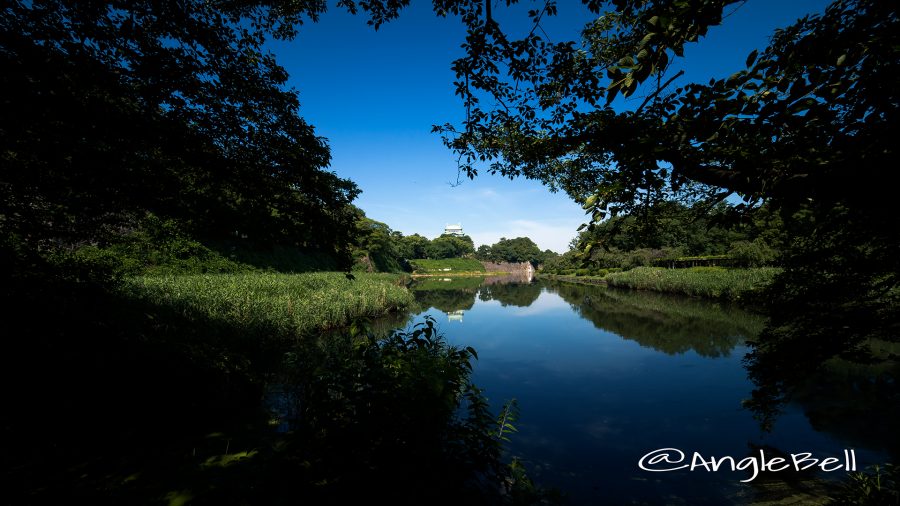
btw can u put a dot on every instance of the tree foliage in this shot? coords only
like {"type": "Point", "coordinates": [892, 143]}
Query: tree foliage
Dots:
{"type": "Point", "coordinates": [113, 110]}
{"type": "Point", "coordinates": [376, 246]}
{"type": "Point", "coordinates": [784, 128]}
{"type": "Point", "coordinates": [805, 127]}
{"type": "Point", "coordinates": [414, 246]}
{"type": "Point", "coordinates": [449, 246]}
{"type": "Point", "coordinates": [520, 249]}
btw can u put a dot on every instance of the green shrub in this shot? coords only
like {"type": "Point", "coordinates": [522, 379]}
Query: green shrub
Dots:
{"type": "Point", "coordinates": [752, 254]}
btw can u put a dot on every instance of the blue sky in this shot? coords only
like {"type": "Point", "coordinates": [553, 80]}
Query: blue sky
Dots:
{"type": "Point", "coordinates": [375, 95]}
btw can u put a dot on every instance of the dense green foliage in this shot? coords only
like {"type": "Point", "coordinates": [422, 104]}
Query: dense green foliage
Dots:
{"type": "Point", "coordinates": [116, 110]}
{"type": "Point", "coordinates": [450, 246]}
{"type": "Point", "coordinates": [413, 246]}
{"type": "Point", "coordinates": [376, 247]}
{"type": "Point", "coordinates": [710, 282]}
{"type": "Point", "coordinates": [518, 250]}
{"type": "Point", "coordinates": [685, 230]}
{"type": "Point", "coordinates": [380, 248]}
{"type": "Point", "coordinates": [160, 246]}
{"type": "Point", "coordinates": [675, 235]}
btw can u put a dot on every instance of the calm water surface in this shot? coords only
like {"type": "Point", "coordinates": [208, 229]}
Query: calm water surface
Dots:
{"type": "Point", "coordinates": [602, 377]}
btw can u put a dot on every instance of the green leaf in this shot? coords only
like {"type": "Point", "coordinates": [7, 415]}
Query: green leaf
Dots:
{"type": "Point", "coordinates": [752, 57]}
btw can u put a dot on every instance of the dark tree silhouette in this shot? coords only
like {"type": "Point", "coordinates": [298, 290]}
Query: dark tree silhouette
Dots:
{"type": "Point", "coordinates": [116, 109]}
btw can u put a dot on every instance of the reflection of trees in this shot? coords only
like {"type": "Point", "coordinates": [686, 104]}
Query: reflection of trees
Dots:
{"type": "Point", "coordinates": [857, 403]}
{"type": "Point", "coordinates": [666, 323]}
{"type": "Point", "coordinates": [511, 294]}
{"type": "Point", "coordinates": [446, 300]}
{"type": "Point", "coordinates": [450, 283]}
{"type": "Point", "coordinates": [447, 294]}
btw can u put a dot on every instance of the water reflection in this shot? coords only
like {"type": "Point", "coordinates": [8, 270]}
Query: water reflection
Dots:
{"type": "Point", "coordinates": [511, 294]}
{"type": "Point", "coordinates": [665, 323]}
{"type": "Point", "coordinates": [453, 296]}
{"type": "Point", "coordinates": [669, 324]}
{"type": "Point", "coordinates": [603, 376]}
{"type": "Point", "coordinates": [853, 401]}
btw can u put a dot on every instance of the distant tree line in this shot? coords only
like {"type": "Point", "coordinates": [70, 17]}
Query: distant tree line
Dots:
{"type": "Point", "coordinates": [671, 231]}
{"type": "Point", "coordinates": [520, 249]}
{"type": "Point", "coordinates": [378, 247]}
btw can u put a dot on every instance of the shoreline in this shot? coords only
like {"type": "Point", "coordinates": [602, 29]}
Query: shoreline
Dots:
{"type": "Point", "coordinates": [466, 274]}
{"type": "Point", "coordinates": [583, 280]}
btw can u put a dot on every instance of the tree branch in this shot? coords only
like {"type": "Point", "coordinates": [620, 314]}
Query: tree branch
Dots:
{"type": "Point", "coordinates": [659, 89]}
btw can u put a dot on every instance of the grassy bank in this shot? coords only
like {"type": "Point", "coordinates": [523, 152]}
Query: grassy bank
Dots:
{"type": "Point", "coordinates": [292, 303]}
{"type": "Point", "coordinates": [585, 280]}
{"type": "Point", "coordinates": [709, 282]}
{"type": "Point", "coordinates": [446, 266]}
{"type": "Point", "coordinates": [175, 386]}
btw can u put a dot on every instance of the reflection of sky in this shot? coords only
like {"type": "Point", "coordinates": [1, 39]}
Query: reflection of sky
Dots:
{"type": "Point", "coordinates": [592, 403]}
{"type": "Point", "coordinates": [546, 302]}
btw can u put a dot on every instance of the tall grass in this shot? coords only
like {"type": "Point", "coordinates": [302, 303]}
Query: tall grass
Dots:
{"type": "Point", "coordinates": [290, 303]}
{"type": "Point", "coordinates": [709, 282]}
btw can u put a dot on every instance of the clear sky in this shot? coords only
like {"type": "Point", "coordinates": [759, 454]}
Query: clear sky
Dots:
{"type": "Point", "coordinates": [375, 95]}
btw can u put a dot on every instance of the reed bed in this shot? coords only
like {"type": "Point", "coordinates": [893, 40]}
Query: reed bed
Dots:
{"type": "Point", "coordinates": [708, 282]}
{"type": "Point", "coordinates": [295, 303]}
